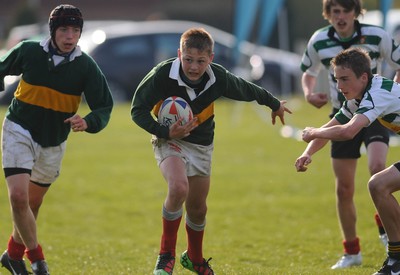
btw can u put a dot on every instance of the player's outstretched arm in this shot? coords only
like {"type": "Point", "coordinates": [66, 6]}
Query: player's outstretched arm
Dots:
{"type": "Point", "coordinates": [305, 158]}
{"type": "Point", "coordinates": [333, 130]}
{"type": "Point", "coordinates": [313, 146]}
{"type": "Point", "coordinates": [280, 113]}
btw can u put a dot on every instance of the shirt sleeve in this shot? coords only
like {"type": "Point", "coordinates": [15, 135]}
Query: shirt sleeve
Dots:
{"type": "Point", "coordinates": [374, 105]}
{"type": "Point", "coordinates": [98, 98]}
{"type": "Point", "coordinates": [310, 62]}
{"type": "Point", "coordinates": [10, 63]}
{"type": "Point", "coordinates": [144, 99]}
{"type": "Point", "coordinates": [390, 50]}
{"type": "Point", "coordinates": [243, 90]}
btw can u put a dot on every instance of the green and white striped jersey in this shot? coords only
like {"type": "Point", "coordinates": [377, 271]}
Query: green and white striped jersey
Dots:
{"type": "Point", "coordinates": [325, 44]}
{"type": "Point", "coordinates": [381, 101]}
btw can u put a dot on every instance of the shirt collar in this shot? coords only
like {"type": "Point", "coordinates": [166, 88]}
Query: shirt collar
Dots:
{"type": "Point", "coordinates": [75, 53]}
{"type": "Point", "coordinates": [174, 74]}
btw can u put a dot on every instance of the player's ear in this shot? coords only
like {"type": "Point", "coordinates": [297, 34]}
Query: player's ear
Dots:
{"type": "Point", "coordinates": [179, 53]}
{"type": "Point", "coordinates": [364, 77]}
{"type": "Point", "coordinates": [211, 57]}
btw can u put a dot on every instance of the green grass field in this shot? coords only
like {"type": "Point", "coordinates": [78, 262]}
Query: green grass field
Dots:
{"type": "Point", "coordinates": [103, 215]}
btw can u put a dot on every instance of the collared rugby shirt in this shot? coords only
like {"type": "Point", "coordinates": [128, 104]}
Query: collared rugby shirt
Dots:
{"type": "Point", "coordinates": [325, 44]}
{"type": "Point", "coordinates": [381, 101]}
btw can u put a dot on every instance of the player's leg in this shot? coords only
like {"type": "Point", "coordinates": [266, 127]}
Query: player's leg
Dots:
{"type": "Point", "coordinates": [23, 218]}
{"type": "Point", "coordinates": [377, 152]}
{"type": "Point", "coordinates": [173, 170]}
{"type": "Point", "coordinates": [16, 247]}
{"type": "Point", "coordinates": [382, 185]}
{"type": "Point", "coordinates": [44, 172]}
{"type": "Point", "coordinates": [196, 210]}
{"type": "Point", "coordinates": [36, 255]}
{"type": "Point", "coordinates": [344, 156]}
{"type": "Point", "coordinates": [344, 170]}
{"type": "Point", "coordinates": [17, 162]}
{"type": "Point", "coordinates": [199, 171]}
{"type": "Point", "coordinates": [36, 195]}
{"type": "Point", "coordinates": [376, 140]}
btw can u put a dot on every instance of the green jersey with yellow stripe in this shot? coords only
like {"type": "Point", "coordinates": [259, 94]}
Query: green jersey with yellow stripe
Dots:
{"type": "Point", "coordinates": [47, 94]}
{"type": "Point", "coordinates": [165, 81]}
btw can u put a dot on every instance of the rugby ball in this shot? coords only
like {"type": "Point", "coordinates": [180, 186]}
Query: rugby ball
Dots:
{"type": "Point", "coordinates": [172, 109]}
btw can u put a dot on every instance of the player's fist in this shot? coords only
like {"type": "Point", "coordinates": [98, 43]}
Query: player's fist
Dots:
{"type": "Point", "coordinates": [306, 134]}
{"type": "Point", "coordinates": [317, 99]}
{"type": "Point", "coordinates": [302, 162]}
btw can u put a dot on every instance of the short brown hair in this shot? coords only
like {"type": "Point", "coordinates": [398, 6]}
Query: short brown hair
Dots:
{"type": "Point", "coordinates": [355, 5]}
{"type": "Point", "coordinates": [355, 59]}
{"type": "Point", "coordinates": [197, 38]}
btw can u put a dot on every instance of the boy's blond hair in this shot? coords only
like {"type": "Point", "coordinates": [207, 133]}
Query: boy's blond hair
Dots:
{"type": "Point", "coordinates": [197, 38]}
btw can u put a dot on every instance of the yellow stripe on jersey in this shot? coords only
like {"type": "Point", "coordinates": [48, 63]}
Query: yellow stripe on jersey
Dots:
{"type": "Point", "coordinates": [205, 114]}
{"type": "Point", "coordinates": [47, 98]}
{"type": "Point", "coordinates": [157, 107]}
{"type": "Point", "coordinates": [201, 117]}
{"type": "Point", "coordinates": [391, 126]}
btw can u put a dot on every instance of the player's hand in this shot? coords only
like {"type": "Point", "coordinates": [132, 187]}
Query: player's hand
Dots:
{"type": "Point", "coordinates": [77, 123]}
{"type": "Point", "coordinates": [302, 162]}
{"type": "Point", "coordinates": [280, 113]}
{"type": "Point", "coordinates": [317, 99]}
{"type": "Point", "coordinates": [178, 131]}
{"type": "Point", "coordinates": [307, 134]}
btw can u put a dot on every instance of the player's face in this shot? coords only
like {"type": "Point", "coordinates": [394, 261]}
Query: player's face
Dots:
{"type": "Point", "coordinates": [351, 86]}
{"type": "Point", "coordinates": [194, 62]}
{"type": "Point", "coordinates": [67, 37]}
{"type": "Point", "coordinates": [342, 20]}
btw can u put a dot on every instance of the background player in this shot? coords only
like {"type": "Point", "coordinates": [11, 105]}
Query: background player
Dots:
{"type": "Point", "coordinates": [344, 32]}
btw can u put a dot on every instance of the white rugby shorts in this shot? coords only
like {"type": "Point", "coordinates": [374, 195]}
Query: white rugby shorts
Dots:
{"type": "Point", "coordinates": [197, 158]}
{"type": "Point", "coordinates": [19, 150]}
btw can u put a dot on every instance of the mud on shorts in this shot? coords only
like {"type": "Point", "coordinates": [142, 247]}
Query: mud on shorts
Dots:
{"type": "Point", "coordinates": [197, 158]}
{"type": "Point", "coordinates": [351, 148]}
{"type": "Point", "coordinates": [19, 150]}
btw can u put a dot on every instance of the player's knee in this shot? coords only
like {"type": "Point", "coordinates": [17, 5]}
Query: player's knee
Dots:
{"type": "Point", "coordinates": [197, 214]}
{"type": "Point", "coordinates": [344, 192]}
{"type": "Point", "coordinates": [19, 201]}
{"type": "Point", "coordinates": [178, 190]}
{"type": "Point", "coordinates": [375, 186]}
{"type": "Point", "coordinates": [376, 167]}
{"type": "Point", "coordinates": [35, 205]}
